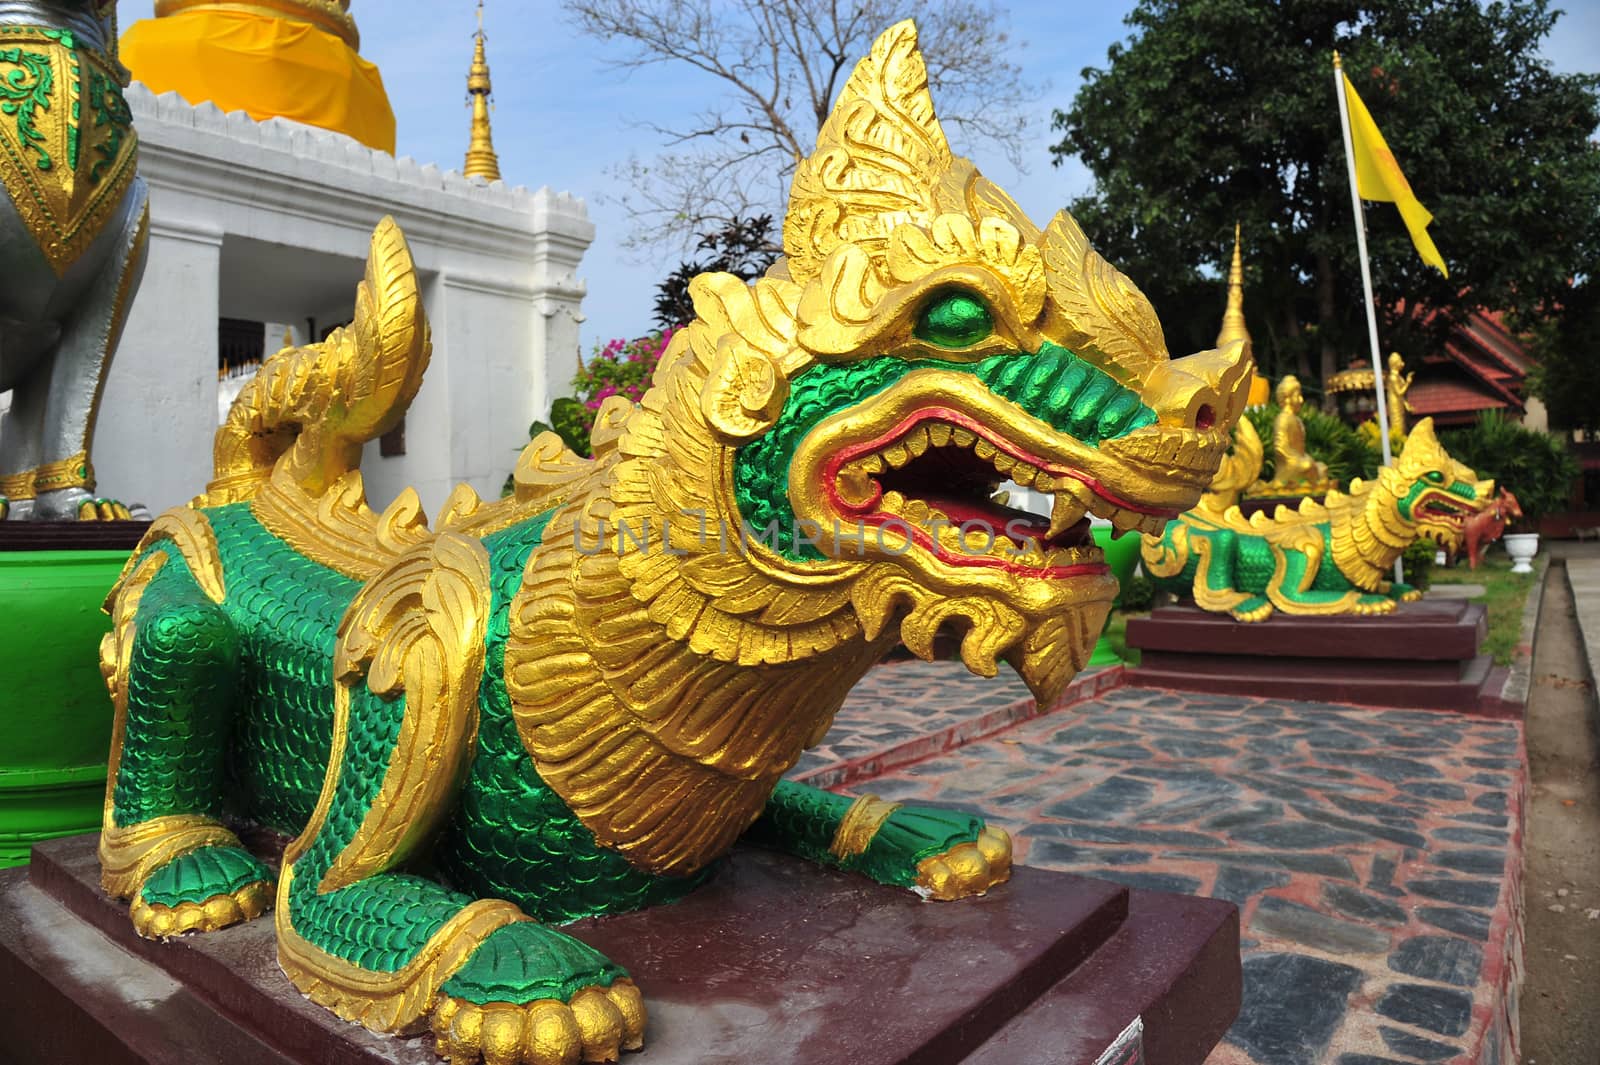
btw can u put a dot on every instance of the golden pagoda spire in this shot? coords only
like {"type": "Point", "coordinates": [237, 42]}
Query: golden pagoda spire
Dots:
{"type": "Point", "coordinates": [1233, 325]}
{"type": "Point", "coordinates": [481, 159]}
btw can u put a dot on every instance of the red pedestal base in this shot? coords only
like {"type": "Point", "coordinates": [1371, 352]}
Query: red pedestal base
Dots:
{"type": "Point", "coordinates": [775, 960]}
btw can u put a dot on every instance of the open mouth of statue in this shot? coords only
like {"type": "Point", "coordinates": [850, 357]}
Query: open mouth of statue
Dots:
{"type": "Point", "coordinates": [934, 480]}
{"type": "Point", "coordinates": [1444, 511]}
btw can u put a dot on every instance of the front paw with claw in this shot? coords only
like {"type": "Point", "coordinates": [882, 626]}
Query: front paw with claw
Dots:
{"type": "Point", "coordinates": [596, 1025]}
{"type": "Point", "coordinates": [1371, 605]}
{"type": "Point", "coordinates": [967, 868]}
{"type": "Point", "coordinates": [96, 509]}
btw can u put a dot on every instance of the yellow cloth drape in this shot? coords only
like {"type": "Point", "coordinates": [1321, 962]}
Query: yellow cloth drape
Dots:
{"type": "Point", "coordinates": [1378, 177]}
{"type": "Point", "coordinates": [266, 67]}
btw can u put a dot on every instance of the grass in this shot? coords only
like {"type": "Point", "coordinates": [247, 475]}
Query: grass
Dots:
{"type": "Point", "coordinates": [1117, 633]}
{"type": "Point", "coordinates": [1504, 594]}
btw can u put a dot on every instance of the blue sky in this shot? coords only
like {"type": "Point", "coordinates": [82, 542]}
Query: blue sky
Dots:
{"type": "Point", "coordinates": [564, 119]}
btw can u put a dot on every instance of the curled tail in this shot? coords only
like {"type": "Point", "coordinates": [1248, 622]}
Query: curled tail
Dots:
{"type": "Point", "coordinates": [1240, 468]}
{"type": "Point", "coordinates": [308, 410]}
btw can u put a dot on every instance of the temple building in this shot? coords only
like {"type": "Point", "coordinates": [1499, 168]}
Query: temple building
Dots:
{"type": "Point", "coordinates": [267, 142]}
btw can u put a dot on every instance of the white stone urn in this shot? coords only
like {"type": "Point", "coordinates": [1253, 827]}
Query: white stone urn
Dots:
{"type": "Point", "coordinates": [1522, 547]}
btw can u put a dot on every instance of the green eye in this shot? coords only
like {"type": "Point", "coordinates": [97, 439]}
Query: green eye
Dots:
{"type": "Point", "coordinates": [1435, 476]}
{"type": "Point", "coordinates": [955, 320]}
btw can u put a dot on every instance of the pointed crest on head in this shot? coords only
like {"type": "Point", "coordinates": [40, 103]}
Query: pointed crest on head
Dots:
{"type": "Point", "coordinates": [879, 160]}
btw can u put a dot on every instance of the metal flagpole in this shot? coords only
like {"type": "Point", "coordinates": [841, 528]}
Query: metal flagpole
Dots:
{"type": "Point", "coordinates": [1366, 278]}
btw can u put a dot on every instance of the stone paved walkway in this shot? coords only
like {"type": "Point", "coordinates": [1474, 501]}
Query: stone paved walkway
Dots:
{"type": "Point", "coordinates": [1375, 855]}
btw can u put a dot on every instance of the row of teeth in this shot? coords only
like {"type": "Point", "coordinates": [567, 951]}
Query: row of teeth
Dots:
{"type": "Point", "coordinates": [1030, 553]}
{"type": "Point", "coordinates": [1072, 498]}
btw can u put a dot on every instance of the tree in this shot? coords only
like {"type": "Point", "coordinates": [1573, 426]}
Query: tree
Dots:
{"type": "Point", "coordinates": [775, 66]}
{"type": "Point", "coordinates": [1567, 349]}
{"type": "Point", "coordinates": [1222, 110]}
{"type": "Point", "coordinates": [745, 248]}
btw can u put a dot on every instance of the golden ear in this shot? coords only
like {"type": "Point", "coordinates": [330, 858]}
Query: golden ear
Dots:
{"type": "Point", "coordinates": [1099, 307]}
{"type": "Point", "coordinates": [879, 160]}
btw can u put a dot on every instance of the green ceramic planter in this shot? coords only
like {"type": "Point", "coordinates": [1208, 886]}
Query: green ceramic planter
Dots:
{"type": "Point", "coordinates": [55, 726]}
{"type": "Point", "coordinates": [1122, 555]}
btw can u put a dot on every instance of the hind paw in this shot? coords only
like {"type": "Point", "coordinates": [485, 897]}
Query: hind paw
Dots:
{"type": "Point", "coordinates": [596, 1025]}
{"type": "Point", "coordinates": [967, 868]}
{"type": "Point", "coordinates": [160, 921]}
{"type": "Point", "coordinates": [201, 891]}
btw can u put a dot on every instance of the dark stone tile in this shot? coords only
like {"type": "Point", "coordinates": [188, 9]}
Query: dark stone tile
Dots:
{"type": "Point", "coordinates": [1295, 835]}
{"type": "Point", "coordinates": [1056, 854]}
{"type": "Point", "coordinates": [1492, 820]}
{"type": "Point", "coordinates": [1292, 1006]}
{"type": "Point", "coordinates": [1105, 801]}
{"type": "Point", "coordinates": [1442, 959]}
{"type": "Point", "coordinates": [1363, 907]}
{"type": "Point", "coordinates": [1483, 863]}
{"type": "Point", "coordinates": [1382, 878]}
{"type": "Point", "coordinates": [935, 767]}
{"type": "Point", "coordinates": [1415, 1046]}
{"type": "Point", "coordinates": [1336, 740]}
{"type": "Point", "coordinates": [1183, 811]}
{"type": "Point", "coordinates": [1087, 833]}
{"type": "Point", "coordinates": [1482, 893]}
{"type": "Point", "coordinates": [1437, 1009]}
{"type": "Point", "coordinates": [1187, 748]}
{"type": "Point", "coordinates": [896, 788]}
{"type": "Point", "coordinates": [1190, 779]}
{"type": "Point", "coordinates": [1404, 837]}
{"type": "Point", "coordinates": [1384, 766]}
{"type": "Point", "coordinates": [1497, 781]}
{"type": "Point", "coordinates": [1278, 789]}
{"type": "Point", "coordinates": [1369, 808]}
{"type": "Point", "coordinates": [1484, 837]}
{"type": "Point", "coordinates": [1181, 885]}
{"type": "Point", "coordinates": [1255, 728]}
{"type": "Point", "coordinates": [1368, 1059]}
{"type": "Point", "coordinates": [1419, 743]}
{"type": "Point", "coordinates": [1495, 763]}
{"type": "Point", "coordinates": [1493, 801]}
{"type": "Point", "coordinates": [1289, 920]}
{"type": "Point", "coordinates": [1253, 813]}
{"type": "Point", "coordinates": [1508, 747]}
{"type": "Point", "coordinates": [1082, 735]}
{"type": "Point", "coordinates": [1462, 922]}
{"type": "Point", "coordinates": [1442, 792]}
{"type": "Point", "coordinates": [1125, 752]}
{"type": "Point", "coordinates": [1334, 865]}
{"type": "Point", "coordinates": [1236, 884]}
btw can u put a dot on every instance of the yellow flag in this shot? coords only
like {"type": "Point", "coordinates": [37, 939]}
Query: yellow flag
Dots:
{"type": "Point", "coordinates": [1378, 177]}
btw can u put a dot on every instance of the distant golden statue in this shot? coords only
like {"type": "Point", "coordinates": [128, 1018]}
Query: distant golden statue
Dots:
{"type": "Point", "coordinates": [1292, 467]}
{"type": "Point", "coordinates": [1396, 384]}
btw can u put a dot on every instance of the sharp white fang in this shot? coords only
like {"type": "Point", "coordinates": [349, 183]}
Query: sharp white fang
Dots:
{"type": "Point", "coordinates": [1068, 508]}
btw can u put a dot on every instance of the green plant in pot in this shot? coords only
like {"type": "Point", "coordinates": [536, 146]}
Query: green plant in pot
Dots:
{"type": "Point", "coordinates": [1535, 466]}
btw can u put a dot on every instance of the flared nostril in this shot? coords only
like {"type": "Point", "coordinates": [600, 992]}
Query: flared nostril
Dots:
{"type": "Point", "coordinates": [1205, 417]}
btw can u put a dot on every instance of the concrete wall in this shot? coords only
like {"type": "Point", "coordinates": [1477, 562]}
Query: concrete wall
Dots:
{"type": "Point", "coordinates": [271, 221]}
